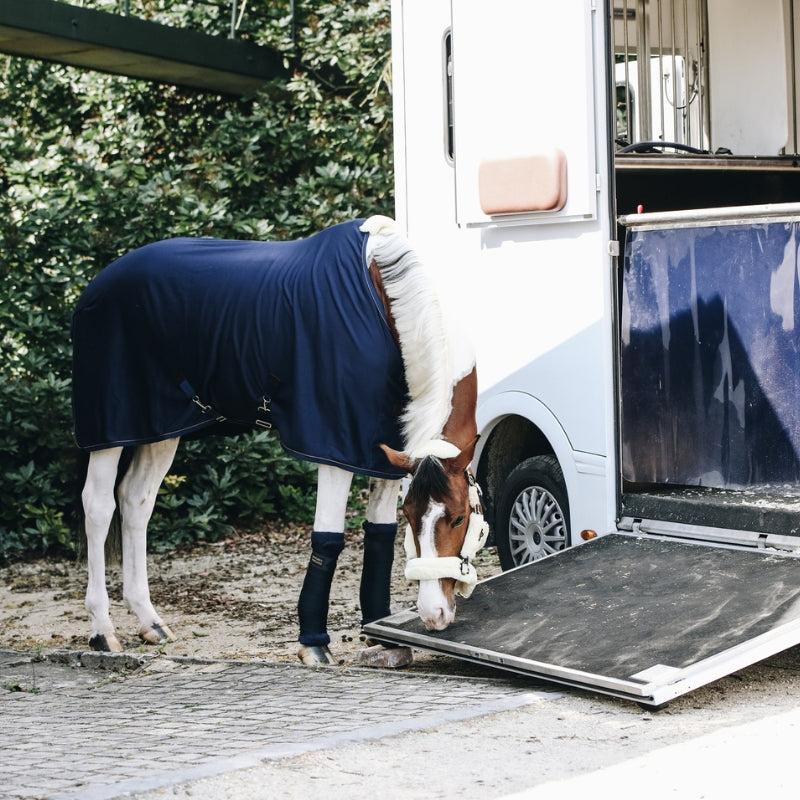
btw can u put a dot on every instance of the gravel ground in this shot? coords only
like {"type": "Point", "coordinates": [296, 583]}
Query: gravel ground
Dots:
{"type": "Point", "coordinates": [235, 599]}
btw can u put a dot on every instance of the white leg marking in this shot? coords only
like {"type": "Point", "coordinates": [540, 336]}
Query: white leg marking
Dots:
{"type": "Point", "coordinates": [98, 507]}
{"type": "Point", "coordinates": [432, 605]}
{"type": "Point", "coordinates": [137, 497]}
{"type": "Point", "coordinates": [333, 491]}
{"type": "Point", "coordinates": [383, 501]}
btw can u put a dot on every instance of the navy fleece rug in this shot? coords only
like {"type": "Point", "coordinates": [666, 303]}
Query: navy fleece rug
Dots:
{"type": "Point", "coordinates": [176, 335]}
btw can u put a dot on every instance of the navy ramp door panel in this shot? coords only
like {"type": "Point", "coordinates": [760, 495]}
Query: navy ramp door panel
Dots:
{"type": "Point", "coordinates": [710, 352]}
{"type": "Point", "coordinates": [639, 617]}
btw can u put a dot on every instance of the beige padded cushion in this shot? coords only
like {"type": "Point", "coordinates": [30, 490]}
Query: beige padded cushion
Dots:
{"type": "Point", "coordinates": [528, 183]}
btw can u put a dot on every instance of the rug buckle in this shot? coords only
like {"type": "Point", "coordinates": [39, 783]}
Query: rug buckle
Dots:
{"type": "Point", "coordinates": [265, 401]}
{"type": "Point", "coordinates": [203, 407]}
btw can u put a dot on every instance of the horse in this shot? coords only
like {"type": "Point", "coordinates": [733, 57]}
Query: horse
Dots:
{"type": "Point", "coordinates": [341, 343]}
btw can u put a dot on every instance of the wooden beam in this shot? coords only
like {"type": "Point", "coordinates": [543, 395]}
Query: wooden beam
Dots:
{"type": "Point", "coordinates": [66, 34]}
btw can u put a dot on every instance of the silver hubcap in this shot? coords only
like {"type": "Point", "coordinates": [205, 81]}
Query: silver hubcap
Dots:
{"type": "Point", "coordinates": [536, 527]}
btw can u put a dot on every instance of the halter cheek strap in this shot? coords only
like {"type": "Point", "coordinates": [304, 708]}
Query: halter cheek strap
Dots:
{"type": "Point", "coordinates": [460, 567]}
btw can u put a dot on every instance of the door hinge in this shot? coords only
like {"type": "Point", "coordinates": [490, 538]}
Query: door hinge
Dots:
{"type": "Point", "coordinates": [613, 248]}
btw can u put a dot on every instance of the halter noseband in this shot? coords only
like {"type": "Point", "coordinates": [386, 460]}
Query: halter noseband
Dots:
{"type": "Point", "coordinates": [459, 567]}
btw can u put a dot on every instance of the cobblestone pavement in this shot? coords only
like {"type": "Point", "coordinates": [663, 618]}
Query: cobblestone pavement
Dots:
{"type": "Point", "coordinates": [88, 726]}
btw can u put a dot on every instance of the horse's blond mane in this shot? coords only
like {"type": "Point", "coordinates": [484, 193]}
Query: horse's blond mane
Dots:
{"type": "Point", "coordinates": [423, 332]}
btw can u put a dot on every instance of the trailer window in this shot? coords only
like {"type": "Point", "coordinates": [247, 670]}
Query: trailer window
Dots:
{"type": "Point", "coordinates": [660, 70]}
{"type": "Point", "coordinates": [449, 130]}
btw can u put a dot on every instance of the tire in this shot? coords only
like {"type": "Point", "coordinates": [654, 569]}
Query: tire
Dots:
{"type": "Point", "coordinates": [533, 513]}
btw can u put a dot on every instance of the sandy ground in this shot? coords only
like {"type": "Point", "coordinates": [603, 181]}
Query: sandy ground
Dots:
{"type": "Point", "coordinates": [235, 599]}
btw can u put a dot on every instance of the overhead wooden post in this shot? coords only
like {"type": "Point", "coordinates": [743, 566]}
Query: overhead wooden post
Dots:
{"type": "Point", "coordinates": [124, 45]}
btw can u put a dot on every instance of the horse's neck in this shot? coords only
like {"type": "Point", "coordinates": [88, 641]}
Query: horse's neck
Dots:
{"type": "Point", "coordinates": [461, 428]}
{"type": "Point", "coordinates": [439, 369]}
{"type": "Point", "coordinates": [377, 282]}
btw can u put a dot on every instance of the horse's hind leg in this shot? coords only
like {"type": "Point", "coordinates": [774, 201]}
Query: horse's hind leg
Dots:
{"type": "Point", "coordinates": [137, 496]}
{"type": "Point", "coordinates": [327, 542]}
{"type": "Point", "coordinates": [98, 506]}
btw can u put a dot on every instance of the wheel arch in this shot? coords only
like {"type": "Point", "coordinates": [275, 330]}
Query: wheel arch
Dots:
{"type": "Point", "coordinates": [514, 427]}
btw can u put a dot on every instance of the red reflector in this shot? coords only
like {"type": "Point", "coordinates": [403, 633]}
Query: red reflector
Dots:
{"type": "Point", "coordinates": [588, 535]}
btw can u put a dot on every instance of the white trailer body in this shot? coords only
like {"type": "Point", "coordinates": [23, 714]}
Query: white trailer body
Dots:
{"type": "Point", "coordinates": [622, 243]}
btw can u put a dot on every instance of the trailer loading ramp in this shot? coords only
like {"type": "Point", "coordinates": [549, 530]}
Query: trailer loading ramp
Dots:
{"type": "Point", "coordinates": [637, 617]}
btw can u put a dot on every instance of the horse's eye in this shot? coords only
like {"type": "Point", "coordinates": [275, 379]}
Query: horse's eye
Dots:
{"type": "Point", "coordinates": [456, 522]}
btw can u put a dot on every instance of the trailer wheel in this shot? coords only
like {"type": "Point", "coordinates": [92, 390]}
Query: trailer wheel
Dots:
{"type": "Point", "coordinates": [533, 513]}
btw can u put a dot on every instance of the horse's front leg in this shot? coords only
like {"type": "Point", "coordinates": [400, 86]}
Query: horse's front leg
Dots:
{"type": "Point", "coordinates": [327, 542]}
{"type": "Point", "coordinates": [375, 594]}
{"type": "Point", "coordinates": [137, 497]}
{"type": "Point", "coordinates": [98, 506]}
{"type": "Point", "coordinates": [380, 530]}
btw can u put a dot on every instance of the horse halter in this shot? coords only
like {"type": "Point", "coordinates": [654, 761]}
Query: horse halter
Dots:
{"type": "Point", "coordinates": [460, 567]}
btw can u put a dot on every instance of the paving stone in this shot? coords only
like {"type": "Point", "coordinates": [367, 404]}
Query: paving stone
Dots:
{"type": "Point", "coordinates": [129, 720]}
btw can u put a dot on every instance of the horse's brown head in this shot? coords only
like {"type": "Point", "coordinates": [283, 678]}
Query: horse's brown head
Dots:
{"type": "Point", "coordinates": [445, 528]}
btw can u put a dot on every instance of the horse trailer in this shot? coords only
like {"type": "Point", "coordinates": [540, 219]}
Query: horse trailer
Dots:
{"type": "Point", "coordinates": [610, 191]}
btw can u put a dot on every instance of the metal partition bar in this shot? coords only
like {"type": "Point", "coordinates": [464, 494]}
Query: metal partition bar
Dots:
{"type": "Point", "coordinates": [693, 217]}
{"type": "Point", "coordinates": [645, 92]}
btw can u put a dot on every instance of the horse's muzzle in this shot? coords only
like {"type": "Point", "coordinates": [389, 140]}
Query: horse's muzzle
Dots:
{"type": "Point", "coordinates": [435, 609]}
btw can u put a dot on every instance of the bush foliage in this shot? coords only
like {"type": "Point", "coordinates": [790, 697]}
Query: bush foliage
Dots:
{"type": "Point", "coordinates": [93, 165]}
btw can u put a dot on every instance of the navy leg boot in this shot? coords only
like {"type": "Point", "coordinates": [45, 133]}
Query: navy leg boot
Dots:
{"type": "Point", "coordinates": [376, 574]}
{"type": "Point", "coordinates": [375, 595]}
{"type": "Point", "coordinates": [312, 607]}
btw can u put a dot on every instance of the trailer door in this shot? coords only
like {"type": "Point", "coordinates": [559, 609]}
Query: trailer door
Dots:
{"type": "Point", "coordinates": [638, 617]}
{"type": "Point", "coordinates": [523, 94]}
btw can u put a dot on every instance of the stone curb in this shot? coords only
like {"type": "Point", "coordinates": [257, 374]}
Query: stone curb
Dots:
{"type": "Point", "coordinates": [114, 662]}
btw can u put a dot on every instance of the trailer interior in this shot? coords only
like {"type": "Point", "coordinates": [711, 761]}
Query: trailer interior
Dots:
{"type": "Point", "coordinates": [707, 192]}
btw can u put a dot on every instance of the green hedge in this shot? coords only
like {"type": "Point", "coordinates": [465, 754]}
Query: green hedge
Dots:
{"type": "Point", "coordinates": [93, 165]}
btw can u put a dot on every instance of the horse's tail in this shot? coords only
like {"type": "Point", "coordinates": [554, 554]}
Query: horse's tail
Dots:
{"type": "Point", "coordinates": [82, 470]}
{"type": "Point", "coordinates": [113, 544]}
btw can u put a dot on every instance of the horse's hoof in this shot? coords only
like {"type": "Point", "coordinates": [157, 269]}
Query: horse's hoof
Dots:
{"type": "Point", "coordinates": [314, 655]}
{"type": "Point", "coordinates": [385, 657]}
{"type": "Point", "coordinates": [156, 634]}
{"type": "Point", "coordinates": [105, 643]}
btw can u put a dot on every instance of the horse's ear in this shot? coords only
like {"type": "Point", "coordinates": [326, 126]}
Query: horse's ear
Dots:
{"type": "Point", "coordinates": [400, 460]}
{"type": "Point", "coordinates": [464, 458]}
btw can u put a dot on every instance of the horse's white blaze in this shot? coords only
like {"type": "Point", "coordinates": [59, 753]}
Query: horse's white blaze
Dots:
{"type": "Point", "coordinates": [432, 605]}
